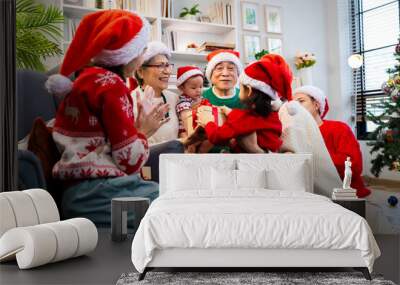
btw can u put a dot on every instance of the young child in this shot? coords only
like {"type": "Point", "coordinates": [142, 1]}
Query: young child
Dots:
{"type": "Point", "coordinates": [190, 83]}
{"type": "Point", "coordinates": [262, 85]}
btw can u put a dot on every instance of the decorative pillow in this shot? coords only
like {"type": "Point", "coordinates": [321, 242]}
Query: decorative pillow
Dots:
{"type": "Point", "coordinates": [283, 171]}
{"type": "Point", "coordinates": [223, 179]}
{"type": "Point", "coordinates": [251, 178]}
{"type": "Point", "coordinates": [181, 177]}
{"type": "Point", "coordinates": [293, 179]}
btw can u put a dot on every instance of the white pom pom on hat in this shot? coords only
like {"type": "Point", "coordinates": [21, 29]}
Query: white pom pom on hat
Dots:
{"type": "Point", "coordinates": [59, 85]}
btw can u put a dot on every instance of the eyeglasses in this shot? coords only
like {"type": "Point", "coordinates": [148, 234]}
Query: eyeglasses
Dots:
{"type": "Point", "coordinates": [162, 66]}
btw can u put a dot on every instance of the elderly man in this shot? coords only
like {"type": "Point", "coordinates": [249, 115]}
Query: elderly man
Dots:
{"type": "Point", "coordinates": [222, 71]}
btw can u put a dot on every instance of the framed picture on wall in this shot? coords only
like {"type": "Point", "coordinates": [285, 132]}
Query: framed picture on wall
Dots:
{"type": "Point", "coordinates": [252, 45]}
{"type": "Point", "coordinates": [273, 19]}
{"type": "Point", "coordinates": [250, 16]}
{"type": "Point", "coordinates": [275, 45]}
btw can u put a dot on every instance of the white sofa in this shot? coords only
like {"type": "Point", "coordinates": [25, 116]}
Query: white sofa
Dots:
{"type": "Point", "coordinates": [31, 231]}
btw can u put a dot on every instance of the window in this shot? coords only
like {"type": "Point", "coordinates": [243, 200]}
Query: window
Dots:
{"type": "Point", "coordinates": [375, 30]}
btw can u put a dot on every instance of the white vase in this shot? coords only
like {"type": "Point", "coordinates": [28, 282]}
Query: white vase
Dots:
{"type": "Point", "coordinates": [306, 76]}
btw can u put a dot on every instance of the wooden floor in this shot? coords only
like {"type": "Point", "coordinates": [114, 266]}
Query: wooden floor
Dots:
{"type": "Point", "coordinates": [111, 259]}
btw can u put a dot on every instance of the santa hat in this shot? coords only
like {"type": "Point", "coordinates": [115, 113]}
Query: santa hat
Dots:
{"type": "Point", "coordinates": [221, 55]}
{"type": "Point", "coordinates": [155, 48]}
{"type": "Point", "coordinates": [186, 72]}
{"type": "Point", "coordinates": [318, 95]}
{"type": "Point", "coordinates": [109, 38]}
{"type": "Point", "coordinates": [270, 75]}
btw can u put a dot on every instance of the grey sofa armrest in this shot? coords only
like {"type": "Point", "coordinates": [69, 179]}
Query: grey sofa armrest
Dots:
{"type": "Point", "coordinates": [30, 171]}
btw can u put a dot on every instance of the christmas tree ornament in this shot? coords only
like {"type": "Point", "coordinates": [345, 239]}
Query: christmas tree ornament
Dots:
{"type": "Point", "coordinates": [392, 200]}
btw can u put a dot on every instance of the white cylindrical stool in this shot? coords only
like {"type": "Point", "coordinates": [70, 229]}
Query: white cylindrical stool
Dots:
{"type": "Point", "coordinates": [119, 215]}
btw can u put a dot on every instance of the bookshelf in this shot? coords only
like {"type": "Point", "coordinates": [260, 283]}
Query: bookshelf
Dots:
{"type": "Point", "coordinates": [196, 26]}
{"type": "Point", "coordinates": [185, 31]}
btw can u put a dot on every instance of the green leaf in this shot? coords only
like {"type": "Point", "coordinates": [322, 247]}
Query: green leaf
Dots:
{"type": "Point", "coordinates": [38, 33]}
{"type": "Point", "coordinates": [194, 10]}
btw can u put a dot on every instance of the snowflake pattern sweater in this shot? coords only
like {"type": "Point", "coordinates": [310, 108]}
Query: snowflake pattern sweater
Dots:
{"type": "Point", "coordinates": [94, 129]}
{"type": "Point", "coordinates": [341, 143]}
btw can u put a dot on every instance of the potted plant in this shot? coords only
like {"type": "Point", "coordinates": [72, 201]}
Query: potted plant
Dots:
{"type": "Point", "coordinates": [38, 34]}
{"type": "Point", "coordinates": [190, 14]}
{"type": "Point", "coordinates": [260, 54]}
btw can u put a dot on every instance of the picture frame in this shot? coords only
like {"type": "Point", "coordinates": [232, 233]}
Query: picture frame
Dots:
{"type": "Point", "coordinates": [273, 19]}
{"type": "Point", "coordinates": [250, 16]}
{"type": "Point", "coordinates": [275, 44]}
{"type": "Point", "coordinates": [79, 3]}
{"type": "Point", "coordinates": [251, 45]}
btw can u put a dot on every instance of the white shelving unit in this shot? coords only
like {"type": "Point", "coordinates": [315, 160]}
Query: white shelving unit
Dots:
{"type": "Point", "coordinates": [187, 31]}
{"type": "Point", "coordinates": [196, 26]}
{"type": "Point", "coordinates": [189, 56]}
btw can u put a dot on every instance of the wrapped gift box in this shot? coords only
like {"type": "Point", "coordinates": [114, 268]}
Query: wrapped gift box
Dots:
{"type": "Point", "coordinates": [204, 106]}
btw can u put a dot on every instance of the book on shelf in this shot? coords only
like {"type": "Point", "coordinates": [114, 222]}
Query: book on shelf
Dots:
{"type": "Point", "coordinates": [344, 194]}
{"type": "Point", "coordinates": [220, 12]}
{"type": "Point", "coordinates": [340, 190]}
{"type": "Point", "coordinates": [147, 7]}
{"type": "Point", "coordinates": [170, 38]}
{"type": "Point", "coordinates": [167, 8]}
{"type": "Point", "coordinates": [211, 46]}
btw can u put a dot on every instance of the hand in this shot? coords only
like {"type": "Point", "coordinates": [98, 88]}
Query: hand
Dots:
{"type": "Point", "coordinates": [249, 143]}
{"type": "Point", "coordinates": [204, 116]}
{"type": "Point", "coordinates": [147, 99]}
{"type": "Point", "coordinates": [148, 124]}
{"type": "Point", "coordinates": [225, 110]}
{"type": "Point", "coordinates": [197, 136]}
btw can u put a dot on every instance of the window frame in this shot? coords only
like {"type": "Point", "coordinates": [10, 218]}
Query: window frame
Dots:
{"type": "Point", "coordinates": [357, 46]}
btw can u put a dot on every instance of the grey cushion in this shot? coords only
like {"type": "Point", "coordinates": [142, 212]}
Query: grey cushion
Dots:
{"type": "Point", "coordinates": [33, 100]}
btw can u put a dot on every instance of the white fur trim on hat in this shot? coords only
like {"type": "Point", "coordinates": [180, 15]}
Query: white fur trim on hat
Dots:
{"type": "Point", "coordinates": [276, 102]}
{"type": "Point", "coordinates": [129, 51]}
{"type": "Point", "coordinates": [315, 93]}
{"type": "Point", "coordinates": [155, 48]}
{"type": "Point", "coordinates": [58, 85]}
{"type": "Point", "coordinates": [187, 75]}
{"type": "Point", "coordinates": [221, 57]}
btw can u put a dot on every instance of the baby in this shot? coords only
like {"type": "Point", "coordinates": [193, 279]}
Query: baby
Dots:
{"type": "Point", "coordinates": [190, 83]}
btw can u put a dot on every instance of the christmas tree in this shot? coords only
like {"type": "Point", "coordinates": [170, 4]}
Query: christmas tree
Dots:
{"type": "Point", "coordinates": [386, 137]}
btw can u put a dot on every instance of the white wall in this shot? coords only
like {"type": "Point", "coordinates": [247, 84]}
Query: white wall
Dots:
{"type": "Point", "coordinates": [304, 29]}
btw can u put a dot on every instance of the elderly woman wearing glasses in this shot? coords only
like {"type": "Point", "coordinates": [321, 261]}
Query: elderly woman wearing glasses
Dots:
{"type": "Point", "coordinates": [155, 72]}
